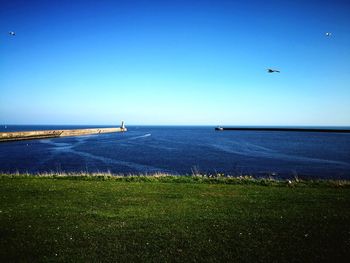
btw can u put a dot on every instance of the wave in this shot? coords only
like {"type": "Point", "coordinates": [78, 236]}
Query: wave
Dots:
{"type": "Point", "coordinates": [139, 137]}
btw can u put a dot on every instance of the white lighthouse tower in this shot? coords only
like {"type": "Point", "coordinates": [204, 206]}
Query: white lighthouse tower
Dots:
{"type": "Point", "coordinates": [122, 127]}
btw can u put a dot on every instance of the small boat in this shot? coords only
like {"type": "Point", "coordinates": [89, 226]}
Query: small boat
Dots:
{"type": "Point", "coordinates": [219, 128]}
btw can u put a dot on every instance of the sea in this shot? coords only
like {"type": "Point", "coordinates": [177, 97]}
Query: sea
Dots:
{"type": "Point", "coordinates": [182, 150]}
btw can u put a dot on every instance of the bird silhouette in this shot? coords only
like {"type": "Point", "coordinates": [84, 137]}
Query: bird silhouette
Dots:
{"type": "Point", "coordinates": [272, 70]}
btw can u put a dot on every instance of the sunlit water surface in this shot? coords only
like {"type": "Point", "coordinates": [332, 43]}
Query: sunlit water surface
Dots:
{"type": "Point", "coordinates": [182, 150]}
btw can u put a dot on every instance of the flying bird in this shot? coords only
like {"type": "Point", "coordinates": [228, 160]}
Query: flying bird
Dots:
{"type": "Point", "coordinates": [272, 70]}
{"type": "Point", "coordinates": [12, 33]}
{"type": "Point", "coordinates": [328, 34]}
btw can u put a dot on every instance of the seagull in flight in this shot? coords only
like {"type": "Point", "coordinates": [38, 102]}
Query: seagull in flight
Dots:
{"type": "Point", "coordinates": [272, 70]}
{"type": "Point", "coordinates": [12, 33]}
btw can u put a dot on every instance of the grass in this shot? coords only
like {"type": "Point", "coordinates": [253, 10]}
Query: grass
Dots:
{"type": "Point", "coordinates": [172, 219]}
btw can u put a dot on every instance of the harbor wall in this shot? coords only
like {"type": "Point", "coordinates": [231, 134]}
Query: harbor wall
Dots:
{"type": "Point", "coordinates": [29, 135]}
{"type": "Point", "coordinates": [333, 130]}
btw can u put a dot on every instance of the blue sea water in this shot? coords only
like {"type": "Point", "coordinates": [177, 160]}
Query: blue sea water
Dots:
{"type": "Point", "coordinates": [182, 150]}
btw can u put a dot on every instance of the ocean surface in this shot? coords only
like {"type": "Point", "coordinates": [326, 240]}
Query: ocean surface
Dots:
{"type": "Point", "coordinates": [182, 150]}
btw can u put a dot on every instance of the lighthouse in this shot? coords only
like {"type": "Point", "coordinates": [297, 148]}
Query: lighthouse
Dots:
{"type": "Point", "coordinates": [122, 127]}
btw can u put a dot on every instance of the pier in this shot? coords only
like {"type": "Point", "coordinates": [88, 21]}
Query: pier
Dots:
{"type": "Point", "coordinates": [30, 135]}
{"type": "Point", "coordinates": [333, 130]}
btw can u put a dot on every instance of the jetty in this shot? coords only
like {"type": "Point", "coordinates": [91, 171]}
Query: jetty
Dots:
{"type": "Point", "coordinates": [30, 135]}
{"type": "Point", "coordinates": [284, 129]}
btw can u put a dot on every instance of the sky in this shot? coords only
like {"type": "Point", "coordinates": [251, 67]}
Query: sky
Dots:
{"type": "Point", "coordinates": [175, 62]}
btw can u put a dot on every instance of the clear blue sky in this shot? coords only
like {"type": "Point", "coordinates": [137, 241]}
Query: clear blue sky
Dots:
{"type": "Point", "coordinates": [175, 62]}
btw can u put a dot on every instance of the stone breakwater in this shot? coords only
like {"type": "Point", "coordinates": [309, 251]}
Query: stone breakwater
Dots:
{"type": "Point", "coordinates": [333, 130]}
{"type": "Point", "coordinates": [29, 135]}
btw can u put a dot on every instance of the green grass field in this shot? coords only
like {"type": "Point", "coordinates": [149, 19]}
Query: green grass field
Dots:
{"type": "Point", "coordinates": [165, 219]}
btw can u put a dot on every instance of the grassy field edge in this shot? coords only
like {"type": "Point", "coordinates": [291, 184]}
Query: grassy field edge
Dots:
{"type": "Point", "coordinates": [198, 179]}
